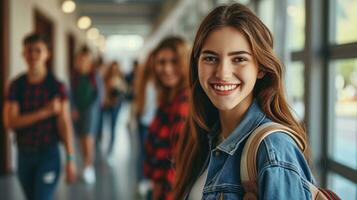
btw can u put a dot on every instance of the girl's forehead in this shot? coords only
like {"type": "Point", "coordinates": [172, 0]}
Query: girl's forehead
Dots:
{"type": "Point", "coordinates": [226, 39]}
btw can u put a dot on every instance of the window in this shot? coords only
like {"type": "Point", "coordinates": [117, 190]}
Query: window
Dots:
{"type": "Point", "coordinates": [266, 13]}
{"type": "Point", "coordinates": [343, 22]}
{"type": "Point", "coordinates": [342, 98]}
{"type": "Point", "coordinates": [295, 87]}
{"type": "Point", "coordinates": [343, 138]}
{"type": "Point", "coordinates": [295, 42]}
{"type": "Point", "coordinates": [342, 187]}
{"type": "Point", "coordinates": [295, 25]}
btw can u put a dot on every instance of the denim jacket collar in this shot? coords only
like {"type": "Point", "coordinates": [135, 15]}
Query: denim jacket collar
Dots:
{"type": "Point", "coordinates": [252, 119]}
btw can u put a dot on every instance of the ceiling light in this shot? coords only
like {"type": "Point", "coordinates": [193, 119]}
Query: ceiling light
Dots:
{"type": "Point", "coordinates": [93, 33]}
{"type": "Point", "coordinates": [68, 6]}
{"type": "Point", "coordinates": [125, 42]}
{"type": "Point", "coordinates": [84, 22]}
{"type": "Point", "coordinates": [100, 41]}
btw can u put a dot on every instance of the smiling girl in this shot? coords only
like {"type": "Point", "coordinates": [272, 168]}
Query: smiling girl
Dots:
{"type": "Point", "coordinates": [236, 86]}
{"type": "Point", "coordinates": [170, 71]}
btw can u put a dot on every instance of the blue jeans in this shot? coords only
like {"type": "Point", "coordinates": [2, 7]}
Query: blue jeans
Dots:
{"type": "Point", "coordinates": [39, 172]}
{"type": "Point", "coordinates": [143, 132]}
{"type": "Point", "coordinates": [112, 112]}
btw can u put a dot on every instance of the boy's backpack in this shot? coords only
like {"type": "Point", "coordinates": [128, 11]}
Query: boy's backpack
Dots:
{"type": "Point", "coordinates": [248, 169]}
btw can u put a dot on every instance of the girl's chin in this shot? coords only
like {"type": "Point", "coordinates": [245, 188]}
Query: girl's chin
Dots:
{"type": "Point", "coordinates": [224, 106]}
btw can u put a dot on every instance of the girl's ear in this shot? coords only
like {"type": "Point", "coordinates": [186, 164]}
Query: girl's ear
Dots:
{"type": "Point", "coordinates": [261, 74]}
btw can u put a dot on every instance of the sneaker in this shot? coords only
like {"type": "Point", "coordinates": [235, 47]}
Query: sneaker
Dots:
{"type": "Point", "coordinates": [144, 187]}
{"type": "Point", "coordinates": [89, 175]}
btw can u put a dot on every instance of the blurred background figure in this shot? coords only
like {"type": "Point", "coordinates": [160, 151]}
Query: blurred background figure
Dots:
{"type": "Point", "coordinates": [130, 79]}
{"type": "Point", "coordinates": [115, 91]}
{"type": "Point", "coordinates": [38, 111]}
{"type": "Point", "coordinates": [145, 109]}
{"type": "Point", "coordinates": [171, 71]}
{"type": "Point", "coordinates": [100, 69]}
{"type": "Point", "coordinates": [85, 109]}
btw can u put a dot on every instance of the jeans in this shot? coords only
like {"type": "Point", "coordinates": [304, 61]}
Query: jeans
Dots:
{"type": "Point", "coordinates": [39, 172]}
{"type": "Point", "coordinates": [143, 132]}
{"type": "Point", "coordinates": [112, 112]}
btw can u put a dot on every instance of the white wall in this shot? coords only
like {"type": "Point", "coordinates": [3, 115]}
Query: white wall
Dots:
{"type": "Point", "coordinates": [22, 23]}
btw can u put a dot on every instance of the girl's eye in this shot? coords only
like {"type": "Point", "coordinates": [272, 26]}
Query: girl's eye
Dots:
{"type": "Point", "coordinates": [210, 59]}
{"type": "Point", "coordinates": [239, 59]}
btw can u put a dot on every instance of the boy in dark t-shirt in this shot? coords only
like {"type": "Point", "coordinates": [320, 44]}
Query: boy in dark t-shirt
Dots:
{"type": "Point", "coordinates": [38, 112]}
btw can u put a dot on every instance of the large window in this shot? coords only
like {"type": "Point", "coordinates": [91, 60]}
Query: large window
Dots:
{"type": "Point", "coordinates": [342, 87]}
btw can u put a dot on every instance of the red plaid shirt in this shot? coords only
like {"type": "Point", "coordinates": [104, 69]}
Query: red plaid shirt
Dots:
{"type": "Point", "coordinates": [160, 144]}
{"type": "Point", "coordinates": [32, 97]}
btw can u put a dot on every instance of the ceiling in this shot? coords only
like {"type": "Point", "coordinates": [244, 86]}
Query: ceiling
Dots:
{"type": "Point", "coordinates": [123, 17]}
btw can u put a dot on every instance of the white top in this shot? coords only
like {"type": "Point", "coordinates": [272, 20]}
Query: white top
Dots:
{"type": "Point", "coordinates": [197, 189]}
{"type": "Point", "coordinates": [150, 105]}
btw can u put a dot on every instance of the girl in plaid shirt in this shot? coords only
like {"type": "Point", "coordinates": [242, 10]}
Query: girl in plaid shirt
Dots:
{"type": "Point", "coordinates": [170, 69]}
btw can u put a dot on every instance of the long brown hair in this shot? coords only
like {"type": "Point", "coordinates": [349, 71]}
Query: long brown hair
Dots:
{"type": "Point", "coordinates": [180, 48]}
{"type": "Point", "coordinates": [269, 91]}
{"type": "Point", "coordinates": [144, 75]}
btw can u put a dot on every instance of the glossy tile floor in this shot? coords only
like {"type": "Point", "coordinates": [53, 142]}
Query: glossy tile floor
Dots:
{"type": "Point", "coordinates": [116, 176]}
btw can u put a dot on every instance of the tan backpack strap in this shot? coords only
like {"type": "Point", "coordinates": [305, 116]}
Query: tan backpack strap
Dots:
{"type": "Point", "coordinates": [248, 169]}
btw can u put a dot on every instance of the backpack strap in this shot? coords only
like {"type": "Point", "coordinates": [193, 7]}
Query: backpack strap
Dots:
{"type": "Point", "coordinates": [248, 170]}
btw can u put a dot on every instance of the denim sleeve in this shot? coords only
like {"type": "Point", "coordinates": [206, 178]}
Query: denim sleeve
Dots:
{"type": "Point", "coordinates": [277, 182]}
{"type": "Point", "coordinates": [283, 170]}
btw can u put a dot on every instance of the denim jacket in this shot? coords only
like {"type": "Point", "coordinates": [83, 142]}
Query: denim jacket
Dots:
{"type": "Point", "coordinates": [282, 169]}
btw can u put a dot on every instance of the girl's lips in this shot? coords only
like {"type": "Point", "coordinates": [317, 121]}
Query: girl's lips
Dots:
{"type": "Point", "coordinates": [224, 89]}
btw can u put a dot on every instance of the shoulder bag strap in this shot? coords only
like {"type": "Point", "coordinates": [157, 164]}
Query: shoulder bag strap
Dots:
{"type": "Point", "coordinates": [248, 170]}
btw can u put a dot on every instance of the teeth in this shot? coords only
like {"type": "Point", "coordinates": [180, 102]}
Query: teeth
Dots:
{"type": "Point", "coordinates": [224, 87]}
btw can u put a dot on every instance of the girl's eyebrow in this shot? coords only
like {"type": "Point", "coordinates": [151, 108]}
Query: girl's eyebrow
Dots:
{"type": "Point", "coordinates": [238, 53]}
{"type": "Point", "coordinates": [229, 54]}
{"type": "Point", "coordinates": [209, 52]}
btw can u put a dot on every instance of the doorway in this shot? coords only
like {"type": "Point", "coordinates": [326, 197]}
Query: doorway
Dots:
{"type": "Point", "coordinates": [44, 26]}
{"type": "Point", "coordinates": [5, 159]}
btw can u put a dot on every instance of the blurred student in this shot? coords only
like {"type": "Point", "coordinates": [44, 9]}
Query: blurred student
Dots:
{"type": "Point", "coordinates": [85, 106]}
{"type": "Point", "coordinates": [100, 69]}
{"type": "Point", "coordinates": [170, 69]}
{"type": "Point", "coordinates": [115, 89]}
{"type": "Point", "coordinates": [38, 111]}
{"type": "Point", "coordinates": [130, 79]}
